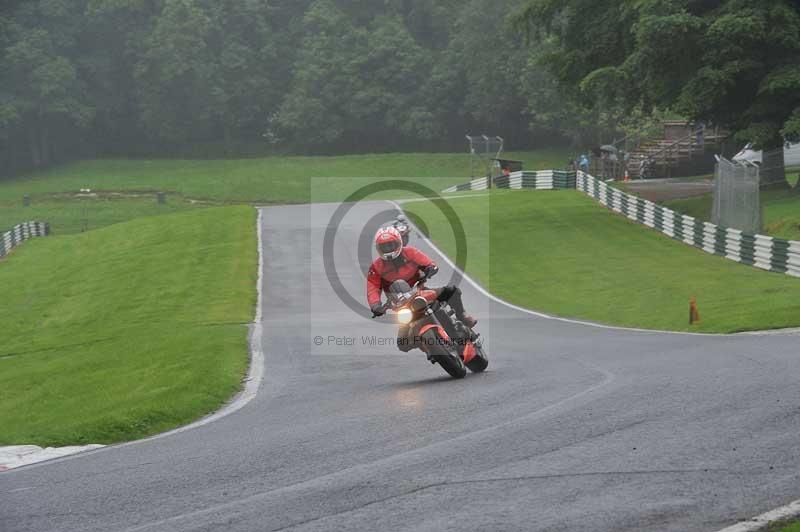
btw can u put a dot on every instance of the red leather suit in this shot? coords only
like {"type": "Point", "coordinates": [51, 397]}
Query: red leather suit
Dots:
{"type": "Point", "coordinates": [383, 273]}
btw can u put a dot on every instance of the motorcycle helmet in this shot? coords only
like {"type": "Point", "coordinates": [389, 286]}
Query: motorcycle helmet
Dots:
{"type": "Point", "coordinates": [389, 243]}
{"type": "Point", "coordinates": [401, 224]}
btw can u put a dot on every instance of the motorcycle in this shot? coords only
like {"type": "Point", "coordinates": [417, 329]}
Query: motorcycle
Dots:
{"type": "Point", "coordinates": [434, 328]}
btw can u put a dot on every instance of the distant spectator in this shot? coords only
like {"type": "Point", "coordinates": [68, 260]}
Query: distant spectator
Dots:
{"type": "Point", "coordinates": [645, 167]}
{"type": "Point", "coordinates": [584, 163]}
{"type": "Point", "coordinates": [701, 129]}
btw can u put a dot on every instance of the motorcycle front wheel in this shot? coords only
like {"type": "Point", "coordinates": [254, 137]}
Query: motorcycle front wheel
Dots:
{"type": "Point", "coordinates": [450, 362]}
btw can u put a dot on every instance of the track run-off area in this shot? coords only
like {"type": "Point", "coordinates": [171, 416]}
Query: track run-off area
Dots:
{"type": "Point", "coordinates": [573, 427]}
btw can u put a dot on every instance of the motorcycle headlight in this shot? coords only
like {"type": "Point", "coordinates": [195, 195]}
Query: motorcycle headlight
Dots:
{"type": "Point", "coordinates": [404, 316]}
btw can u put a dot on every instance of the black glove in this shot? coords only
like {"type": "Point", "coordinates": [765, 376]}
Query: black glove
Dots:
{"type": "Point", "coordinates": [377, 310]}
{"type": "Point", "coordinates": [430, 271]}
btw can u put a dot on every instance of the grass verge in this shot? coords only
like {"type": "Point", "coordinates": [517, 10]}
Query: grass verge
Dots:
{"type": "Point", "coordinates": [126, 331]}
{"type": "Point", "coordinates": [562, 253]}
{"type": "Point", "coordinates": [785, 527]}
{"type": "Point", "coordinates": [125, 189]}
{"type": "Point", "coordinates": [76, 215]}
{"type": "Point", "coordinates": [271, 179]}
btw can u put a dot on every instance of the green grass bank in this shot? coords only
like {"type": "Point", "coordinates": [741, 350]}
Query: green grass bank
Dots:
{"type": "Point", "coordinates": [125, 331]}
{"type": "Point", "coordinates": [793, 526]}
{"type": "Point", "coordinates": [77, 215]}
{"type": "Point", "coordinates": [125, 189]}
{"type": "Point", "coordinates": [267, 180]}
{"type": "Point", "coordinates": [562, 253]}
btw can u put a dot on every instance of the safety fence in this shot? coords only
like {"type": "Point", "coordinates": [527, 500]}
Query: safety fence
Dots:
{"type": "Point", "coordinates": [761, 251]}
{"type": "Point", "coordinates": [21, 232]}
{"type": "Point", "coordinates": [476, 184]}
{"type": "Point", "coordinates": [543, 180]}
{"type": "Point", "coordinates": [765, 252]}
{"type": "Point", "coordinates": [737, 195]}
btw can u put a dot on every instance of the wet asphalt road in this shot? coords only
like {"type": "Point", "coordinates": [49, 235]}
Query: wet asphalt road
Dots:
{"type": "Point", "coordinates": [573, 427]}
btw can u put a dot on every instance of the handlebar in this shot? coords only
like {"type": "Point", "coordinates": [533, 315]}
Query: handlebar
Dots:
{"type": "Point", "coordinates": [385, 307]}
{"type": "Point", "coordinates": [423, 277]}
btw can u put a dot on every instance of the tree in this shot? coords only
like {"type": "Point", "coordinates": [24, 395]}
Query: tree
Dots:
{"type": "Point", "coordinates": [44, 95]}
{"type": "Point", "coordinates": [246, 88]}
{"type": "Point", "coordinates": [135, 77]}
{"type": "Point", "coordinates": [315, 111]}
{"type": "Point", "coordinates": [175, 73]}
{"type": "Point", "coordinates": [354, 86]}
{"type": "Point", "coordinates": [735, 63]}
{"type": "Point", "coordinates": [112, 42]}
{"type": "Point", "coordinates": [487, 81]}
{"type": "Point", "coordinates": [394, 70]}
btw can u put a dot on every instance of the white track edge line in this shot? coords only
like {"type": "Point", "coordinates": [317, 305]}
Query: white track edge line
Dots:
{"type": "Point", "coordinates": [497, 299]}
{"type": "Point", "coordinates": [477, 286]}
{"type": "Point", "coordinates": [764, 520]}
{"type": "Point", "coordinates": [252, 380]}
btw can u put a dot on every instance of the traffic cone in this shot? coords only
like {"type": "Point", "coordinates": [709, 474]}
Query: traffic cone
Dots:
{"type": "Point", "coordinates": [694, 315]}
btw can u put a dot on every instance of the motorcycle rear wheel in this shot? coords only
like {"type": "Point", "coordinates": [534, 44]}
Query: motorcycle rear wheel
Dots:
{"type": "Point", "coordinates": [480, 362]}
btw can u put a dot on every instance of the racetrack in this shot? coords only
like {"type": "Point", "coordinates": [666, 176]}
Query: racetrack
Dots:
{"type": "Point", "coordinates": [573, 427]}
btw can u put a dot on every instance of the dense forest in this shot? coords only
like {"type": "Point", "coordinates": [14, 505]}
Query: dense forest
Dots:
{"type": "Point", "coordinates": [211, 78]}
{"type": "Point", "coordinates": [734, 63]}
{"type": "Point", "coordinates": [241, 77]}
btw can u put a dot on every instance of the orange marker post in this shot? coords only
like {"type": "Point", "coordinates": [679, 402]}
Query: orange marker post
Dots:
{"type": "Point", "coordinates": [694, 314]}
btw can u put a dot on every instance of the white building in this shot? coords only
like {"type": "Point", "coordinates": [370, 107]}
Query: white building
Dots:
{"type": "Point", "coordinates": [791, 154]}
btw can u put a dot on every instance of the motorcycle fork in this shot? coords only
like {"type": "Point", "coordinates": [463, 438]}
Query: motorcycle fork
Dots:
{"type": "Point", "coordinates": [436, 323]}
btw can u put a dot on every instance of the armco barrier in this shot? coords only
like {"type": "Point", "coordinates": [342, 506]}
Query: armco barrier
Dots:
{"type": "Point", "coordinates": [475, 184]}
{"type": "Point", "coordinates": [765, 252]}
{"type": "Point", "coordinates": [543, 180]}
{"type": "Point", "coordinates": [21, 232]}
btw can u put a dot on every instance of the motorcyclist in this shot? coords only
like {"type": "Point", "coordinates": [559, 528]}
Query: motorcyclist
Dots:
{"type": "Point", "coordinates": [402, 226]}
{"type": "Point", "coordinates": [396, 261]}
